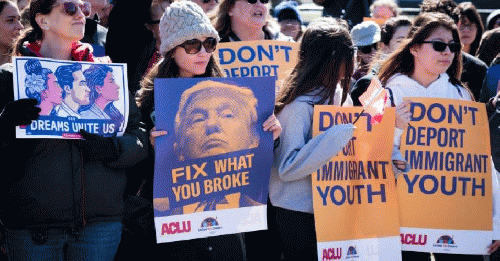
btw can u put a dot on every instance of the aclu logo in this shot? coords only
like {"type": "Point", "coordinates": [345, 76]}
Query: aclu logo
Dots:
{"type": "Point", "coordinates": [177, 227]}
{"type": "Point", "coordinates": [445, 241]}
{"type": "Point", "coordinates": [352, 253]}
{"type": "Point", "coordinates": [210, 224]}
{"type": "Point", "coordinates": [332, 254]}
{"type": "Point", "coordinates": [413, 239]}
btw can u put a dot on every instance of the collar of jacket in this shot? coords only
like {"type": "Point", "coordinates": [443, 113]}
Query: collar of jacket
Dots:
{"type": "Point", "coordinates": [79, 51]}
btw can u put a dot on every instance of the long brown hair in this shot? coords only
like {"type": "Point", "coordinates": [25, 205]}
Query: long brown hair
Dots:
{"type": "Point", "coordinates": [467, 10]}
{"type": "Point", "coordinates": [168, 68]}
{"type": "Point", "coordinates": [34, 32]}
{"type": "Point", "coordinates": [488, 49]}
{"type": "Point", "coordinates": [402, 61]}
{"type": "Point", "coordinates": [325, 47]}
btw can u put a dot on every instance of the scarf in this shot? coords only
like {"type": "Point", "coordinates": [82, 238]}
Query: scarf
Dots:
{"type": "Point", "coordinates": [79, 51]}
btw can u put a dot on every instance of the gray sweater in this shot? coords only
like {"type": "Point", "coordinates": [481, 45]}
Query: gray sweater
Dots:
{"type": "Point", "coordinates": [299, 155]}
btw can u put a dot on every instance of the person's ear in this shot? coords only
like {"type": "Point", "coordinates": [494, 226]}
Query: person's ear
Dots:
{"type": "Point", "coordinates": [66, 89]}
{"type": "Point", "coordinates": [42, 21]}
{"type": "Point", "coordinates": [414, 50]}
{"type": "Point", "coordinates": [385, 48]}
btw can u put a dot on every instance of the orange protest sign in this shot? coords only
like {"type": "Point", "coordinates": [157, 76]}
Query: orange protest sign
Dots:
{"type": "Point", "coordinates": [379, 21]}
{"type": "Point", "coordinates": [446, 199]}
{"type": "Point", "coordinates": [258, 58]}
{"type": "Point", "coordinates": [354, 194]}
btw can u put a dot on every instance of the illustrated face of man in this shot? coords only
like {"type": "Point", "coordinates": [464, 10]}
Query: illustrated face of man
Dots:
{"type": "Point", "coordinates": [215, 124]}
{"type": "Point", "coordinates": [80, 92]}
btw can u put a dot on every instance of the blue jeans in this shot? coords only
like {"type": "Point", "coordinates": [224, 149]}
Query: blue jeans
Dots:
{"type": "Point", "coordinates": [97, 241]}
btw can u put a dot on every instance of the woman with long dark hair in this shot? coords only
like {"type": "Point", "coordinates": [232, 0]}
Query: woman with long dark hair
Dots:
{"type": "Point", "coordinates": [470, 27]}
{"type": "Point", "coordinates": [188, 53]}
{"type": "Point", "coordinates": [321, 76]}
{"type": "Point", "coordinates": [428, 65]}
{"type": "Point", "coordinates": [10, 28]}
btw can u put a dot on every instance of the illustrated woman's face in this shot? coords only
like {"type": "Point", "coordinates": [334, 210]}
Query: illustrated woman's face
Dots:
{"type": "Point", "coordinates": [191, 64]}
{"type": "Point", "coordinates": [110, 90]}
{"type": "Point", "coordinates": [53, 93]}
{"type": "Point", "coordinates": [10, 25]}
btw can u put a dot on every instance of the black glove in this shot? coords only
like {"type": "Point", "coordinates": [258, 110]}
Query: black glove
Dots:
{"type": "Point", "coordinates": [96, 147]}
{"type": "Point", "coordinates": [20, 112]}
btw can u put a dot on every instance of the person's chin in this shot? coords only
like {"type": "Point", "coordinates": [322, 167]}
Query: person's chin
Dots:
{"type": "Point", "coordinates": [214, 151]}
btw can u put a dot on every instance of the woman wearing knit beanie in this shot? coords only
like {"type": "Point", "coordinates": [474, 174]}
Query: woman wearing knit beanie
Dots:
{"type": "Point", "coordinates": [246, 20]}
{"type": "Point", "coordinates": [187, 44]}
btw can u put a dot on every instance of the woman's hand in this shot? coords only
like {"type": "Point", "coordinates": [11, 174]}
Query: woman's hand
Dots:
{"type": "Point", "coordinates": [273, 124]}
{"type": "Point", "coordinates": [401, 165]}
{"type": "Point", "coordinates": [156, 133]}
{"type": "Point", "coordinates": [493, 247]}
{"type": "Point", "coordinates": [403, 114]}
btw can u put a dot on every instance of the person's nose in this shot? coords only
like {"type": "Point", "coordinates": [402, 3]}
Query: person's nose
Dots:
{"type": "Point", "coordinates": [447, 51]}
{"type": "Point", "coordinates": [212, 125]}
{"type": "Point", "coordinates": [19, 25]}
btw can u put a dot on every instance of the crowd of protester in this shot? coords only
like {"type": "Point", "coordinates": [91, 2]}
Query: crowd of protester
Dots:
{"type": "Point", "coordinates": [443, 52]}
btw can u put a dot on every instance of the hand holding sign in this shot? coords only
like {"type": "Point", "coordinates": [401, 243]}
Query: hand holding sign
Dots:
{"type": "Point", "coordinates": [403, 114]}
{"type": "Point", "coordinates": [20, 112]}
{"type": "Point", "coordinates": [99, 148]}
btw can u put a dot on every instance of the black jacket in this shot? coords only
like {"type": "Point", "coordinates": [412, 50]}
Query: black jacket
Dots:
{"type": "Point", "coordinates": [49, 182]}
{"type": "Point", "coordinates": [473, 73]}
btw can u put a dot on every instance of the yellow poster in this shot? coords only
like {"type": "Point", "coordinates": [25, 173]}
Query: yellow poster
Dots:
{"type": "Point", "coordinates": [446, 199]}
{"type": "Point", "coordinates": [258, 58]}
{"type": "Point", "coordinates": [354, 194]}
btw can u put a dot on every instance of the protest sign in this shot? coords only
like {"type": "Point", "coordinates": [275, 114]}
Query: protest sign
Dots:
{"type": "Point", "coordinates": [212, 170]}
{"type": "Point", "coordinates": [354, 194]}
{"type": "Point", "coordinates": [379, 21]}
{"type": "Point", "coordinates": [258, 58]}
{"type": "Point", "coordinates": [72, 96]}
{"type": "Point", "coordinates": [445, 201]}
{"type": "Point", "coordinates": [491, 83]}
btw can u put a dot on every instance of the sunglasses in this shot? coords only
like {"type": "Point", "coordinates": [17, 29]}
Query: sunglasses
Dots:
{"type": "Point", "coordinates": [194, 46]}
{"type": "Point", "coordinates": [368, 48]}
{"type": "Point", "coordinates": [255, 1]}
{"type": "Point", "coordinates": [208, 1]}
{"type": "Point", "coordinates": [71, 8]}
{"type": "Point", "coordinates": [439, 46]}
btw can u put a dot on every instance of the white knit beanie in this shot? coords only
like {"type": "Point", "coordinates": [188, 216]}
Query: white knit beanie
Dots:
{"type": "Point", "coordinates": [182, 21]}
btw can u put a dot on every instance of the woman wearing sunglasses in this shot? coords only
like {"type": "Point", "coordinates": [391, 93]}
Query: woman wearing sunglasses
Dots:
{"type": "Point", "coordinates": [366, 37]}
{"type": "Point", "coordinates": [427, 65]}
{"type": "Point", "coordinates": [187, 44]}
{"type": "Point", "coordinates": [10, 28]}
{"type": "Point", "coordinates": [62, 199]}
{"type": "Point", "coordinates": [246, 20]}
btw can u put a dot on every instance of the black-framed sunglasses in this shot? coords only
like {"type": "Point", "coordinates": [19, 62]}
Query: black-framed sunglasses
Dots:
{"type": "Point", "coordinates": [255, 1]}
{"type": "Point", "coordinates": [71, 8]}
{"type": "Point", "coordinates": [208, 1]}
{"type": "Point", "coordinates": [193, 46]}
{"type": "Point", "coordinates": [366, 49]}
{"type": "Point", "coordinates": [439, 46]}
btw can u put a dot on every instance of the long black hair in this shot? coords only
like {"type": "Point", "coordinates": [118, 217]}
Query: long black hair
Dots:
{"type": "Point", "coordinates": [326, 46]}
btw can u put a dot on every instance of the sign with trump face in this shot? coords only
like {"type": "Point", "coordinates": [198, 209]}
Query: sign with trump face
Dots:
{"type": "Point", "coordinates": [216, 160]}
